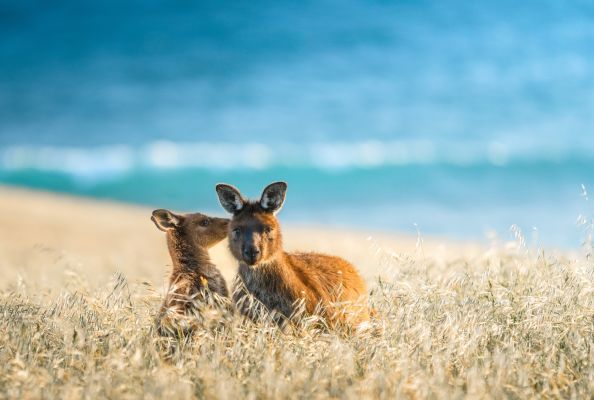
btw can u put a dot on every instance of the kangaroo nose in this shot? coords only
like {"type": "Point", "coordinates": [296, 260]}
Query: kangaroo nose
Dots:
{"type": "Point", "coordinates": [251, 254]}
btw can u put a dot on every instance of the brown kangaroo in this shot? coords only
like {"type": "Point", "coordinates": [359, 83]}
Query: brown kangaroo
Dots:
{"type": "Point", "coordinates": [326, 285]}
{"type": "Point", "coordinates": [193, 277]}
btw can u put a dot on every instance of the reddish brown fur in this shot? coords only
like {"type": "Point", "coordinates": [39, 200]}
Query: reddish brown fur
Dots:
{"type": "Point", "coordinates": [279, 279]}
{"type": "Point", "coordinates": [193, 276]}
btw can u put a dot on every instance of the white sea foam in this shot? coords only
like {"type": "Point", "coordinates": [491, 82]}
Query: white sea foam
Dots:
{"type": "Point", "coordinates": [112, 160]}
{"type": "Point", "coordinates": [94, 162]}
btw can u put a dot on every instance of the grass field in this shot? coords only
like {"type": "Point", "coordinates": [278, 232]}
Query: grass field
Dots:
{"type": "Point", "coordinates": [500, 322]}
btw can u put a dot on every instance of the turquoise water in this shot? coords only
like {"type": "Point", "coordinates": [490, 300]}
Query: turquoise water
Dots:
{"type": "Point", "coordinates": [449, 117]}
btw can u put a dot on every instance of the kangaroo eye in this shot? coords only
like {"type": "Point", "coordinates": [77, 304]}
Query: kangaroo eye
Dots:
{"type": "Point", "coordinates": [235, 233]}
{"type": "Point", "coordinates": [267, 229]}
{"type": "Point", "coordinates": [205, 222]}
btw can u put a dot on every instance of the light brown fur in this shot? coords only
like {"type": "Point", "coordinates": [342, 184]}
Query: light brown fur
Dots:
{"type": "Point", "coordinates": [193, 277]}
{"type": "Point", "coordinates": [280, 280]}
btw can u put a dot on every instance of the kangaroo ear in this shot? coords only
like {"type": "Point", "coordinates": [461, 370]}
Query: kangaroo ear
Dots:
{"type": "Point", "coordinates": [230, 198]}
{"type": "Point", "coordinates": [273, 197]}
{"type": "Point", "coordinates": [165, 219]}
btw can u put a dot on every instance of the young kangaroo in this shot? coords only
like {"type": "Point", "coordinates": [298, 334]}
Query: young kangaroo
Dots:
{"type": "Point", "coordinates": [280, 280]}
{"type": "Point", "coordinates": [193, 277]}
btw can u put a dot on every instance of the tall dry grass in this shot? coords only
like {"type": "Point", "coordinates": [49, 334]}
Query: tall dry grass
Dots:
{"type": "Point", "coordinates": [506, 324]}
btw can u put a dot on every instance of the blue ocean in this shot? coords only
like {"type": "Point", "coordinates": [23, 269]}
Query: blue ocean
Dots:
{"type": "Point", "coordinates": [457, 119]}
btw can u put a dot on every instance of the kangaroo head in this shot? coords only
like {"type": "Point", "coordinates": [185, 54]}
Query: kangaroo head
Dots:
{"type": "Point", "coordinates": [196, 229]}
{"type": "Point", "coordinates": [254, 231]}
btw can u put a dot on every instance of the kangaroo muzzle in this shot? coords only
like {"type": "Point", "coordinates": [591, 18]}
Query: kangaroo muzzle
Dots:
{"type": "Point", "coordinates": [250, 254]}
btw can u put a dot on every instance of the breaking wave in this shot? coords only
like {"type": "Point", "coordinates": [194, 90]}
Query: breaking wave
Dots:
{"type": "Point", "coordinates": [120, 159]}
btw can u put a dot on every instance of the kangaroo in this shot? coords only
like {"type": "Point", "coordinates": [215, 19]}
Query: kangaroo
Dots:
{"type": "Point", "coordinates": [325, 285]}
{"type": "Point", "coordinates": [194, 276]}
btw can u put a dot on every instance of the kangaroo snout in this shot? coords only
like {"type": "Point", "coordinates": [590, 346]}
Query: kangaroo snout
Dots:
{"type": "Point", "coordinates": [251, 254]}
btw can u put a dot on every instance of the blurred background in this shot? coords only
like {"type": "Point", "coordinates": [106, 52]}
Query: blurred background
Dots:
{"type": "Point", "coordinates": [453, 118]}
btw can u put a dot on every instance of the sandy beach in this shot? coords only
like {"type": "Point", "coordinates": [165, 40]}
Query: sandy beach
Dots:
{"type": "Point", "coordinates": [46, 237]}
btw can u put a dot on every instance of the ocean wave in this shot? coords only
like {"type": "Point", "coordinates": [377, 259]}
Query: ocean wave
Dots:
{"type": "Point", "coordinates": [106, 161]}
